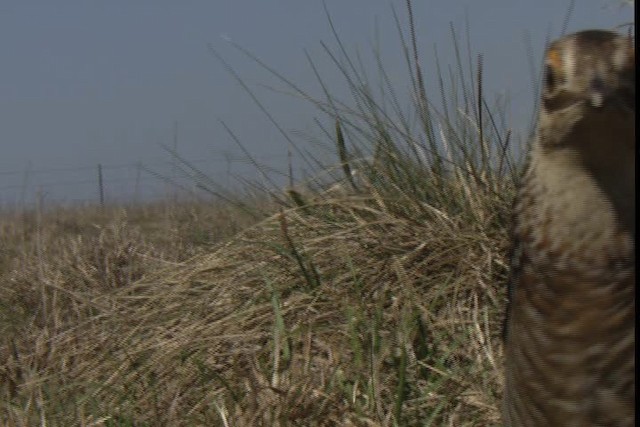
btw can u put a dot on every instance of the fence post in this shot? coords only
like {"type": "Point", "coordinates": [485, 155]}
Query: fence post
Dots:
{"type": "Point", "coordinates": [100, 185]}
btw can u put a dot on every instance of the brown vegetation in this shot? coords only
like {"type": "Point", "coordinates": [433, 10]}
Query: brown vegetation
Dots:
{"type": "Point", "coordinates": [379, 305]}
{"type": "Point", "coordinates": [364, 310]}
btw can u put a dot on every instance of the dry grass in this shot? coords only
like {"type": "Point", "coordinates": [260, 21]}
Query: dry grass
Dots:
{"type": "Point", "coordinates": [376, 303]}
{"type": "Point", "coordinates": [364, 310]}
{"type": "Point", "coordinates": [57, 267]}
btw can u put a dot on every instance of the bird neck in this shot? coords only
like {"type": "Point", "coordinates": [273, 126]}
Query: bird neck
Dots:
{"type": "Point", "coordinates": [585, 218]}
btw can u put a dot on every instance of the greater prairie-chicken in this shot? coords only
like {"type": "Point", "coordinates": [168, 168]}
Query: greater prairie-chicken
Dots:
{"type": "Point", "coordinates": [570, 324]}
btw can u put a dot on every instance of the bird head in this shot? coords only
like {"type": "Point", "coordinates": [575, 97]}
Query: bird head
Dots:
{"type": "Point", "coordinates": [589, 83]}
{"type": "Point", "coordinates": [593, 68]}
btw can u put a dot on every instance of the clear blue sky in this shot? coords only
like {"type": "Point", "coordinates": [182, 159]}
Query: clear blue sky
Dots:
{"type": "Point", "coordinates": [85, 82]}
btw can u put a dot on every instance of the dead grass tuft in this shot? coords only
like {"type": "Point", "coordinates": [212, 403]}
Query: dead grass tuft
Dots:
{"type": "Point", "coordinates": [342, 312]}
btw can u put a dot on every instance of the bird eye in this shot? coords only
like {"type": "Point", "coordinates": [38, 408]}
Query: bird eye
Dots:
{"type": "Point", "coordinates": [549, 79]}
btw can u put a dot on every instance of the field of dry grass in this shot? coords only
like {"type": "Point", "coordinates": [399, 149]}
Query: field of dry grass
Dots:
{"type": "Point", "coordinates": [367, 309]}
{"type": "Point", "coordinates": [379, 304]}
{"type": "Point", "coordinates": [60, 271]}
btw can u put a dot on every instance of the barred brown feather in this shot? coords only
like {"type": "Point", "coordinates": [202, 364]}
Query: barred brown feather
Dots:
{"type": "Point", "coordinates": [570, 323]}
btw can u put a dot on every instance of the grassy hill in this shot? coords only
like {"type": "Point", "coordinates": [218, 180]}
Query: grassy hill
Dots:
{"type": "Point", "coordinates": [355, 310]}
{"type": "Point", "coordinates": [376, 302]}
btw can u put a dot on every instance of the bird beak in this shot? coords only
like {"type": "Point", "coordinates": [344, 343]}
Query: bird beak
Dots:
{"type": "Point", "coordinates": [601, 94]}
{"type": "Point", "coordinates": [598, 92]}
